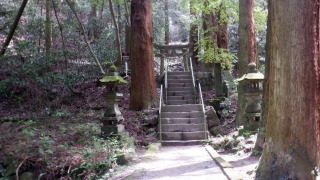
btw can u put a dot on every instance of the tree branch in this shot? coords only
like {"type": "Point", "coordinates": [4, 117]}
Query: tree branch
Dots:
{"type": "Point", "coordinates": [85, 37]}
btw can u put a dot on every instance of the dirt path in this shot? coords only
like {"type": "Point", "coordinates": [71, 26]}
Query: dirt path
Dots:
{"type": "Point", "coordinates": [165, 163]}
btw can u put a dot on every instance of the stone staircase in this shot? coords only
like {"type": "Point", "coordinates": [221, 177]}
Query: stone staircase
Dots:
{"type": "Point", "coordinates": [182, 120]}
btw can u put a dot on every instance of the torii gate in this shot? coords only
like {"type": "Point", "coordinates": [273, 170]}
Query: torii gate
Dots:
{"type": "Point", "coordinates": [172, 51]}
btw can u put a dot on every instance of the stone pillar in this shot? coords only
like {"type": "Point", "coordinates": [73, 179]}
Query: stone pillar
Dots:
{"type": "Point", "coordinates": [161, 66]}
{"type": "Point", "coordinates": [218, 79]}
{"type": "Point", "coordinates": [112, 117]}
{"type": "Point", "coordinates": [186, 64]}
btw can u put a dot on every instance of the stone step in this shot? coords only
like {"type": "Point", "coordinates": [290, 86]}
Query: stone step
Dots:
{"type": "Point", "coordinates": [174, 81]}
{"type": "Point", "coordinates": [179, 73]}
{"type": "Point", "coordinates": [182, 120]}
{"type": "Point", "coordinates": [180, 93]}
{"type": "Point", "coordinates": [196, 135]}
{"type": "Point", "coordinates": [181, 97]}
{"type": "Point", "coordinates": [183, 143]}
{"type": "Point", "coordinates": [181, 85]}
{"type": "Point", "coordinates": [180, 102]}
{"type": "Point", "coordinates": [179, 77]}
{"type": "Point", "coordinates": [182, 127]}
{"type": "Point", "coordinates": [182, 108]}
{"type": "Point", "coordinates": [192, 114]}
{"type": "Point", "coordinates": [180, 88]}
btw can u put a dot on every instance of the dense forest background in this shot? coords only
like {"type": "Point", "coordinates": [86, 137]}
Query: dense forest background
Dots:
{"type": "Point", "coordinates": [70, 61]}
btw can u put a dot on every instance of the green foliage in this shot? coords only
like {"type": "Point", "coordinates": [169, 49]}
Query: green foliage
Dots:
{"type": "Point", "coordinates": [46, 147]}
{"type": "Point", "coordinates": [245, 133]}
{"type": "Point", "coordinates": [28, 130]}
{"type": "Point", "coordinates": [61, 113]}
{"type": "Point", "coordinates": [256, 152]}
{"type": "Point", "coordinates": [211, 52]}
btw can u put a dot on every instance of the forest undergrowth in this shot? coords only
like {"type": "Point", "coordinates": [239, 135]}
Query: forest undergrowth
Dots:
{"type": "Point", "coordinates": [50, 125]}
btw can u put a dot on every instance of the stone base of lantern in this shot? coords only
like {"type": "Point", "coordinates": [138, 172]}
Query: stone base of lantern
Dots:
{"type": "Point", "coordinates": [111, 126]}
{"type": "Point", "coordinates": [252, 121]}
{"type": "Point", "coordinates": [112, 130]}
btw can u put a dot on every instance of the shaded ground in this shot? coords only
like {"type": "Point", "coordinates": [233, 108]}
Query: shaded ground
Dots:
{"type": "Point", "coordinates": [165, 163]}
{"type": "Point", "coordinates": [244, 164]}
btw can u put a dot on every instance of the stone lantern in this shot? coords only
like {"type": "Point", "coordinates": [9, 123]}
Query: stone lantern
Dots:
{"type": "Point", "coordinates": [252, 92]}
{"type": "Point", "coordinates": [112, 117]}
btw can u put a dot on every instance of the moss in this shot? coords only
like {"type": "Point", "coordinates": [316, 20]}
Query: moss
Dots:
{"type": "Point", "coordinates": [113, 79]}
{"type": "Point", "coordinates": [121, 159]}
{"type": "Point", "coordinates": [152, 148]}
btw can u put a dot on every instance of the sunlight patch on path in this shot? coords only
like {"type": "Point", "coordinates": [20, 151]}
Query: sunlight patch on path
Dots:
{"type": "Point", "coordinates": [182, 162]}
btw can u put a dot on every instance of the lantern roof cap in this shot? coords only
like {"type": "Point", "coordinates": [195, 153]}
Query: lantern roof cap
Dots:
{"type": "Point", "coordinates": [252, 74]}
{"type": "Point", "coordinates": [113, 77]}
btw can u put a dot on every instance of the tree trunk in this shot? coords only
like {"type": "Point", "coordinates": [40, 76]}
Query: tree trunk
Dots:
{"type": "Point", "coordinates": [48, 28]}
{"type": "Point", "coordinates": [209, 25]}
{"type": "Point", "coordinates": [127, 28]}
{"type": "Point", "coordinates": [293, 116]}
{"type": "Point", "coordinates": [143, 88]}
{"type": "Point", "coordinates": [13, 27]}
{"type": "Point", "coordinates": [40, 30]}
{"type": "Point", "coordinates": [119, 61]}
{"type": "Point", "coordinates": [259, 145]}
{"type": "Point", "coordinates": [71, 5]}
{"type": "Point", "coordinates": [193, 34]}
{"type": "Point", "coordinates": [62, 37]}
{"type": "Point", "coordinates": [119, 18]}
{"type": "Point", "coordinates": [247, 50]}
{"type": "Point", "coordinates": [222, 42]}
{"type": "Point", "coordinates": [92, 29]}
{"type": "Point", "coordinates": [166, 23]}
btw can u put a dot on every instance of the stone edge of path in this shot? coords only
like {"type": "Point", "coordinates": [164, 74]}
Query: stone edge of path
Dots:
{"type": "Point", "coordinates": [226, 167]}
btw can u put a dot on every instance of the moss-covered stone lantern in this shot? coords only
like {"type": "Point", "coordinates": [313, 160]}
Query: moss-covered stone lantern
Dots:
{"type": "Point", "coordinates": [112, 117]}
{"type": "Point", "coordinates": [252, 92]}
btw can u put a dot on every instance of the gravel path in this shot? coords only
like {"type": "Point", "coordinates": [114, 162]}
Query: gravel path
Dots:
{"type": "Point", "coordinates": [176, 163]}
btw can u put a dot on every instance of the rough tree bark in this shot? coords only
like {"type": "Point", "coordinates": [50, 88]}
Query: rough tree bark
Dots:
{"type": "Point", "coordinates": [259, 145]}
{"type": "Point", "coordinates": [13, 27]}
{"type": "Point", "coordinates": [247, 50]}
{"type": "Point", "coordinates": [143, 88]}
{"type": "Point", "coordinates": [292, 147]}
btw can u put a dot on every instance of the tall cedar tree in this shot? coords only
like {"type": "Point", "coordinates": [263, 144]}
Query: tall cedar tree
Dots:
{"type": "Point", "coordinates": [292, 146]}
{"type": "Point", "coordinates": [143, 88]}
{"type": "Point", "coordinates": [247, 50]}
{"type": "Point", "coordinates": [222, 41]}
{"type": "Point", "coordinates": [210, 26]}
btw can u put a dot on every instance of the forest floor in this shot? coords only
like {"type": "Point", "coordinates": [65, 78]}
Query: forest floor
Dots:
{"type": "Point", "coordinates": [64, 141]}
